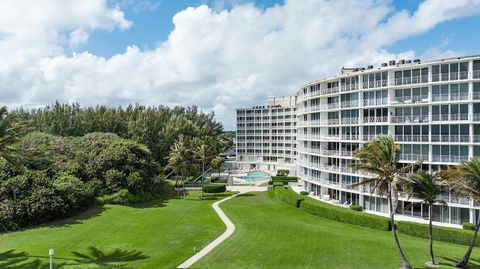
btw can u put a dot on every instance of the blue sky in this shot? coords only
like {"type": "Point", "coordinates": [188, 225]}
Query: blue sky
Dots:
{"type": "Point", "coordinates": [223, 54]}
{"type": "Point", "coordinates": [150, 27]}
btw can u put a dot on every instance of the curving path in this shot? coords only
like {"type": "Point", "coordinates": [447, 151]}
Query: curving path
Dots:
{"type": "Point", "coordinates": [228, 232]}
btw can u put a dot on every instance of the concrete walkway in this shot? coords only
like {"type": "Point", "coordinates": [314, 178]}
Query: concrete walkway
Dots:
{"type": "Point", "coordinates": [228, 232]}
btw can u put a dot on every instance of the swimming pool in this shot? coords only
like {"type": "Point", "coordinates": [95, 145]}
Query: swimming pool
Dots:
{"type": "Point", "coordinates": [255, 175]}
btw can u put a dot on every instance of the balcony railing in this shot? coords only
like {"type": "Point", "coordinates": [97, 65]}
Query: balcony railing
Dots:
{"type": "Point", "coordinates": [449, 158]}
{"type": "Point", "coordinates": [451, 138]}
{"type": "Point", "coordinates": [411, 80]}
{"type": "Point", "coordinates": [375, 119]}
{"type": "Point", "coordinates": [413, 157]}
{"type": "Point", "coordinates": [349, 120]}
{"type": "Point", "coordinates": [370, 137]}
{"type": "Point", "coordinates": [347, 104]}
{"type": "Point", "coordinates": [375, 84]}
{"type": "Point", "coordinates": [450, 117]}
{"type": "Point", "coordinates": [375, 102]}
{"type": "Point", "coordinates": [332, 105]}
{"type": "Point", "coordinates": [329, 90]}
{"type": "Point", "coordinates": [476, 73]}
{"type": "Point", "coordinates": [410, 99]}
{"type": "Point", "coordinates": [411, 138]}
{"type": "Point", "coordinates": [409, 119]}
{"type": "Point", "coordinates": [351, 87]}
{"type": "Point", "coordinates": [350, 137]}
{"type": "Point", "coordinates": [450, 76]}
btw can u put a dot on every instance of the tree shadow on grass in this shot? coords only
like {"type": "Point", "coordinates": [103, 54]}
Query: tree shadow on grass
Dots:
{"type": "Point", "coordinates": [450, 262]}
{"type": "Point", "coordinates": [117, 258]}
{"type": "Point", "coordinates": [91, 212]}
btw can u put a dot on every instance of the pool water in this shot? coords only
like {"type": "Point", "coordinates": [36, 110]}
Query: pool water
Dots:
{"type": "Point", "coordinates": [256, 175]}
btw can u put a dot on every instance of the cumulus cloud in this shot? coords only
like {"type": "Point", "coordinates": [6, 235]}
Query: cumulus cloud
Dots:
{"type": "Point", "coordinates": [218, 60]}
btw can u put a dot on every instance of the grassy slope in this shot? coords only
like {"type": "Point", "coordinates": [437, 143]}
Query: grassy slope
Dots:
{"type": "Point", "coordinates": [270, 234]}
{"type": "Point", "coordinates": [158, 235]}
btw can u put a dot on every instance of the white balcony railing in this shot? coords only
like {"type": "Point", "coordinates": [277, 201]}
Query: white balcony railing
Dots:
{"type": "Point", "coordinates": [450, 117]}
{"type": "Point", "coordinates": [449, 158]}
{"type": "Point", "coordinates": [375, 119]}
{"type": "Point", "coordinates": [375, 102]}
{"type": "Point", "coordinates": [410, 99]}
{"type": "Point", "coordinates": [411, 138]}
{"type": "Point", "coordinates": [411, 80]}
{"type": "Point", "coordinates": [451, 138]}
{"type": "Point", "coordinates": [409, 119]}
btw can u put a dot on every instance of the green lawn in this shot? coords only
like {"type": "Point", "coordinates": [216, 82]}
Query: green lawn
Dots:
{"type": "Point", "coordinates": [155, 235]}
{"type": "Point", "coordinates": [271, 234]}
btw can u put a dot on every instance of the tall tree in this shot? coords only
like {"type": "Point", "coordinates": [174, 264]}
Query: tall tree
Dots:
{"type": "Point", "coordinates": [10, 133]}
{"type": "Point", "coordinates": [466, 179]}
{"type": "Point", "coordinates": [203, 154]}
{"type": "Point", "coordinates": [179, 160]}
{"type": "Point", "coordinates": [380, 160]}
{"type": "Point", "coordinates": [426, 186]}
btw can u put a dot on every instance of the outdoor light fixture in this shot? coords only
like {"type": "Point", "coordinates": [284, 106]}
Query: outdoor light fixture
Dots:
{"type": "Point", "coordinates": [50, 253]}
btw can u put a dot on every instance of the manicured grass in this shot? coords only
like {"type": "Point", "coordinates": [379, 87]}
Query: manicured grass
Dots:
{"type": "Point", "coordinates": [159, 234]}
{"type": "Point", "coordinates": [271, 234]}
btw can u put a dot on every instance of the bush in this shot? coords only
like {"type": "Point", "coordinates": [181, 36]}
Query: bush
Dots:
{"type": "Point", "coordinates": [355, 207]}
{"type": "Point", "coordinates": [277, 184]}
{"type": "Point", "coordinates": [121, 197]}
{"type": "Point", "coordinates": [214, 188]}
{"type": "Point", "coordinates": [304, 192]}
{"type": "Point", "coordinates": [284, 179]}
{"type": "Point", "coordinates": [345, 215]}
{"type": "Point", "coordinates": [445, 234]}
{"type": "Point", "coordinates": [468, 226]}
{"type": "Point", "coordinates": [288, 196]}
{"type": "Point", "coordinates": [218, 180]}
{"type": "Point", "coordinates": [283, 172]}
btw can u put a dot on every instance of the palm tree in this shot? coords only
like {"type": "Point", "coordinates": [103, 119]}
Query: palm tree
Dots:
{"type": "Point", "coordinates": [425, 186]}
{"type": "Point", "coordinates": [178, 160]}
{"type": "Point", "coordinates": [10, 134]}
{"type": "Point", "coordinates": [466, 178]}
{"type": "Point", "coordinates": [380, 160]}
{"type": "Point", "coordinates": [203, 154]}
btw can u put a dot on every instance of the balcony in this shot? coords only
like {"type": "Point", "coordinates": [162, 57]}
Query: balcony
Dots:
{"type": "Point", "coordinates": [409, 119]}
{"type": "Point", "coordinates": [410, 99]}
{"type": "Point", "coordinates": [450, 117]}
{"type": "Point", "coordinates": [375, 102]}
{"type": "Point", "coordinates": [450, 76]}
{"type": "Point", "coordinates": [451, 138]}
{"type": "Point", "coordinates": [476, 73]}
{"type": "Point", "coordinates": [375, 84]}
{"type": "Point", "coordinates": [370, 137]}
{"type": "Point", "coordinates": [411, 138]}
{"type": "Point", "coordinates": [332, 105]}
{"type": "Point", "coordinates": [329, 90]}
{"type": "Point", "coordinates": [349, 120]}
{"type": "Point", "coordinates": [347, 88]}
{"type": "Point", "coordinates": [350, 137]}
{"type": "Point", "coordinates": [329, 152]}
{"type": "Point", "coordinates": [452, 97]}
{"type": "Point", "coordinates": [411, 80]}
{"type": "Point", "coordinates": [375, 119]}
{"type": "Point", "coordinates": [348, 104]}
{"type": "Point", "coordinates": [413, 157]}
{"type": "Point", "coordinates": [476, 138]}
{"type": "Point", "coordinates": [449, 158]}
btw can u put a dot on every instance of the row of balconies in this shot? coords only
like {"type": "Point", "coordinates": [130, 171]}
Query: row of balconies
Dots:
{"type": "Point", "coordinates": [475, 74]}
{"type": "Point", "coordinates": [395, 119]}
{"type": "Point", "coordinates": [398, 138]}
{"type": "Point", "coordinates": [393, 101]}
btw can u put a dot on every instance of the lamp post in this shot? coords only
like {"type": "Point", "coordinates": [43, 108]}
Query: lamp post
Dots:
{"type": "Point", "coordinates": [50, 253]}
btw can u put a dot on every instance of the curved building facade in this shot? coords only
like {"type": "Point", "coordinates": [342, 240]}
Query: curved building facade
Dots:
{"type": "Point", "coordinates": [431, 109]}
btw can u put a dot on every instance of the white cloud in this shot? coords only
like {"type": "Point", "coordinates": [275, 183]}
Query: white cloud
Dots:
{"type": "Point", "coordinates": [218, 60]}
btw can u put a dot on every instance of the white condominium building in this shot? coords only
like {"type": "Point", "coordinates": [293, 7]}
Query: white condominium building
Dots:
{"type": "Point", "coordinates": [432, 109]}
{"type": "Point", "coordinates": [266, 135]}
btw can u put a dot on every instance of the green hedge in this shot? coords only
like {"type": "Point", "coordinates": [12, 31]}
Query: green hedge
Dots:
{"type": "Point", "coordinates": [277, 184]}
{"type": "Point", "coordinates": [304, 192]}
{"type": "Point", "coordinates": [288, 196]}
{"type": "Point", "coordinates": [445, 234]}
{"type": "Point", "coordinates": [336, 213]}
{"type": "Point", "coordinates": [468, 226]}
{"type": "Point", "coordinates": [214, 188]}
{"type": "Point", "coordinates": [355, 207]}
{"type": "Point", "coordinates": [284, 179]}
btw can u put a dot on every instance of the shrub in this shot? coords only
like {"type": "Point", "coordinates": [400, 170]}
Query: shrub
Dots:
{"type": "Point", "coordinates": [284, 179]}
{"type": "Point", "coordinates": [355, 207]}
{"type": "Point", "coordinates": [345, 215]}
{"type": "Point", "coordinates": [214, 188]}
{"type": "Point", "coordinates": [218, 180]}
{"type": "Point", "coordinates": [468, 226]}
{"type": "Point", "coordinates": [304, 192]}
{"type": "Point", "coordinates": [283, 172]}
{"type": "Point", "coordinates": [288, 196]}
{"type": "Point", "coordinates": [121, 197]}
{"type": "Point", "coordinates": [276, 184]}
{"type": "Point", "coordinates": [445, 234]}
